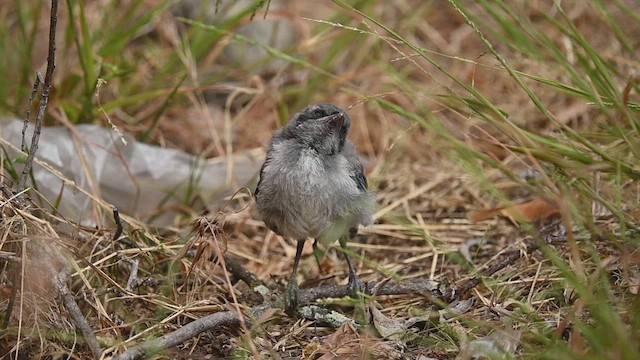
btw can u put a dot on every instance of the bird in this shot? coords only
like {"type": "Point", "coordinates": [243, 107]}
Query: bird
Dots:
{"type": "Point", "coordinates": [312, 185]}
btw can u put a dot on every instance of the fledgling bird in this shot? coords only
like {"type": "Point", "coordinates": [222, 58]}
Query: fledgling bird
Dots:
{"type": "Point", "coordinates": [312, 185]}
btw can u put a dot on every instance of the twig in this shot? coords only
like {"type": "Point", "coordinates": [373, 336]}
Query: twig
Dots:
{"type": "Point", "coordinates": [17, 277]}
{"type": "Point", "coordinates": [25, 124]}
{"type": "Point", "coordinates": [240, 273]}
{"type": "Point", "coordinates": [192, 329]}
{"type": "Point", "coordinates": [8, 257]}
{"type": "Point", "coordinates": [116, 218]}
{"type": "Point", "coordinates": [60, 284]}
{"type": "Point", "coordinates": [532, 244]}
{"type": "Point", "coordinates": [133, 276]}
{"type": "Point", "coordinates": [44, 98]}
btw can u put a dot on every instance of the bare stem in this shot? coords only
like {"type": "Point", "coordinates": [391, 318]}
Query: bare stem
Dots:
{"type": "Point", "coordinates": [44, 98]}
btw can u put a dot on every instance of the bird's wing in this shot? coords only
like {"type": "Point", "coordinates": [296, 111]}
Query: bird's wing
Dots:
{"type": "Point", "coordinates": [358, 175]}
{"type": "Point", "coordinates": [266, 162]}
{"type": "Point", "coordinates": [356, 169]}
{"type": "Point", "coordinates": [277, 137]}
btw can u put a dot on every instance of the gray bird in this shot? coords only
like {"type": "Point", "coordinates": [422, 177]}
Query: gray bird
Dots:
{"type": "Point", "coordinates": [312, 185]}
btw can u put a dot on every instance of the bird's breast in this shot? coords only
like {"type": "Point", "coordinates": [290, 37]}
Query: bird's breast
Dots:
{"type": "Point", "coordinates": [307, 192]}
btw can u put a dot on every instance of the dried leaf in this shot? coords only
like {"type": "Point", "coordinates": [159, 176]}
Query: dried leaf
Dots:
{"type": "Point", "coordinates": [531, 211]}
{"type": "Point", "coordinates": [383, 350]}
{"type": "Point", "coordinates": [495, 345]}
{"type": "Point", "coordinates": [346, 343]}
{"type": "Point", "coordinates": [388, 328]}
{"type": "Point", "coordinates": [342, 344]}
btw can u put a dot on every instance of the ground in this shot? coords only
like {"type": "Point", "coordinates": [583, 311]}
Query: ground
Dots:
{"type": "Point", "coordinates": [500, 139]}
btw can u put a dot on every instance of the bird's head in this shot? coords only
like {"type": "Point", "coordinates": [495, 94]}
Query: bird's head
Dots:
{"type": "Point", "coordinates": [323, 127]}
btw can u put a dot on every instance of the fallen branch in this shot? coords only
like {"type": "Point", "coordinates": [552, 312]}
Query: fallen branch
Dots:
{"type": "Point", "coordinates": [186, 332]}
{"type": "Point", "coordinates": [427, 288]}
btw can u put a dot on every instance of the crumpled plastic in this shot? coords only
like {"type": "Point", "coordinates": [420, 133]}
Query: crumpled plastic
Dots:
{"type": "Point", "coordinates": [138, 179]}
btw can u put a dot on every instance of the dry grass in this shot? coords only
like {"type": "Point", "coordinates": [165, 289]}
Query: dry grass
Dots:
{"type": "Point", "coordinates": [425, 185]}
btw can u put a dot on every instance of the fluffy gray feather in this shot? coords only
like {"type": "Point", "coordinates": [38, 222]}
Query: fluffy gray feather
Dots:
{"type": "Point", "coordinates": [312, 183]}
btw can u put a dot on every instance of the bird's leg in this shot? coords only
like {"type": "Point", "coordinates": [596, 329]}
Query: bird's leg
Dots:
{"type": "Point", "coordinates": [317, 253]}
{"type": "Point", "coordinates": [291, 293]}
{"type": "Point", "coordinates": [355, 285]}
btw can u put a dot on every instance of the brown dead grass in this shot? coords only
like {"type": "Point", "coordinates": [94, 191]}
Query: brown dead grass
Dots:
{"type": "Point", "coordinates": [422, 221]}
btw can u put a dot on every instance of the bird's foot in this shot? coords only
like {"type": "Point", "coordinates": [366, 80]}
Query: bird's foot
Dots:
{"type": "Point", "coordinates": [358, 290]}
{"type": "Point", "coordinates": [356, 287]}
{"type": "Point", "coordinates": [291, 298]}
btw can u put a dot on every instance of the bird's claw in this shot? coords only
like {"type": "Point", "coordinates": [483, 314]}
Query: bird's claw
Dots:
{"type": "Point", "coordinates": [356, 287]}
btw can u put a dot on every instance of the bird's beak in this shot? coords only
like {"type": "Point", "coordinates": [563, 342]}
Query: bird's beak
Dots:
{"type": "Point", "coordinates": [336, 119]}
